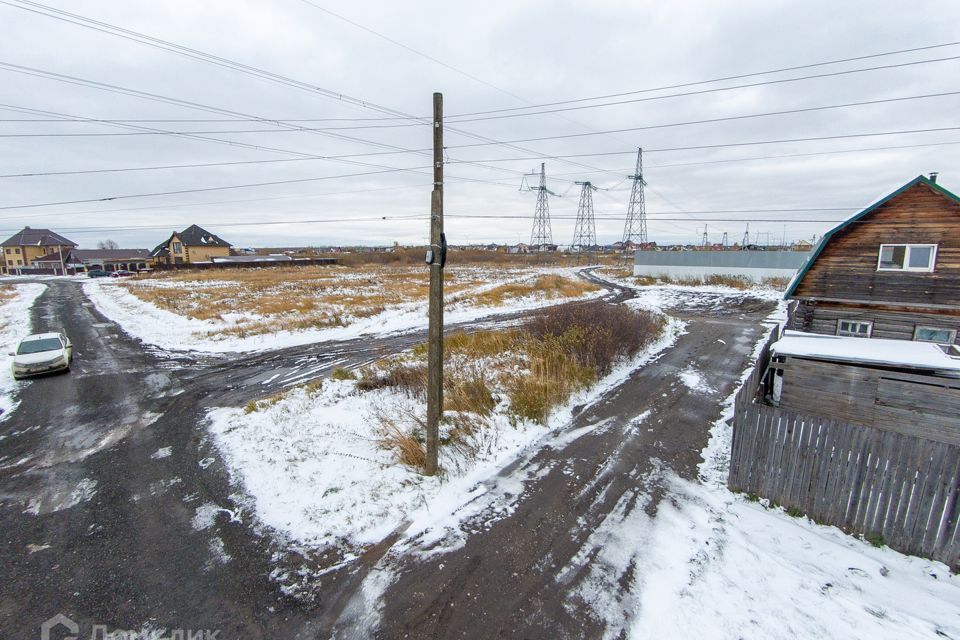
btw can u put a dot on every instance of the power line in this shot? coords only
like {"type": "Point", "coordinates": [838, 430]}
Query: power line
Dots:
{"type": "Point", "coordinates": [414, 51]}
{"type": "Point", "coordinates": [609, 153]}
{"type": "Point", "coordinates": [704, 91]}
{"type": "Point", "coordinates": [719, 79]}
{"type": "Point", "coordinates": [236, 66]}
{"type": "Point", "coordinates": [722, 119]}
{"type": "Point", "coordinates": [206, 189]}
{"type": "Point", "coordinates": [733, 144]}
{"type": "Point", "coordinates": [259, 223]}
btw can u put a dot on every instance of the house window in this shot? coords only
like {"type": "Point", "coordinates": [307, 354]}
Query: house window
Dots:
{"type": "Point", "coordinates": [9, 250]}
{"type": "Point", "coordinates": [907, 257]}
{"type": "Point", "coordinates": [177, 247]}
{"type": "Point", "coordinates": [935, 334]}
{"type": "Point", "coordinates": [17, 250]}
{"type": "Point", "coordinates": [19, 262]}
{"type": "Point", "coordinates": [855, 328]}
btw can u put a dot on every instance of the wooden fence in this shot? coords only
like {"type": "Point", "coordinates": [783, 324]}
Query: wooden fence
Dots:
{"type": "Point", "coordinates": [892, 487]}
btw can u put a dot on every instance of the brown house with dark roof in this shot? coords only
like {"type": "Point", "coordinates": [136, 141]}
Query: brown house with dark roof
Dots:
{"type": "Point", "coordinates": [191, 245]}
{"type": "Point", "coordinates": [23, 248]}
{"type": "Point", "coordinates": [891, 271]}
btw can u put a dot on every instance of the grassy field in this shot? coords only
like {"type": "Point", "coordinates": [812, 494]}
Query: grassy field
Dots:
{"type": "Point", "coordinates": [258, 301]}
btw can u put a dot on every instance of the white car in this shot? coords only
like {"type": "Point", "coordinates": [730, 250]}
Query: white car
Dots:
{"type": "Point", "coordinates": [42, 353]}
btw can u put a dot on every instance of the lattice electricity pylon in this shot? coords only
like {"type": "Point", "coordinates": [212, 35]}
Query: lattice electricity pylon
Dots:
{"type": "Point", "coordinates": [585, 232]}
{"type": "Point", "coordinates": [542, 234]}
{"type": "Point", "coordinates": [635, 228]}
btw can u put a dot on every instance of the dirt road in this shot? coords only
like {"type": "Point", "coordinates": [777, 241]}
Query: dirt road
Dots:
{"type": "Point", "coordinates": [116, 511]}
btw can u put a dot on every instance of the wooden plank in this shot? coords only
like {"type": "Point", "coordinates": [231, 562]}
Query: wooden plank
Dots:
{"type": "Point", "coordinates": [829, 468]}
{"type": "Point", "coordinates": [916, 500]}
{"type": "Point", "coordinates": [861, 490]}
{"type": "Point", "coordinates": [800, 462]}
{"type": "Point", "coordinates": [852, 477]}
{"type": "Point", "coordinates": [891, 478]}
{"type": "Point", "coordinates": [926, 513]}
{"type": "Point", "coordinates": [813, 466]}
{"type": "Point", "coordinates": [940, 510]}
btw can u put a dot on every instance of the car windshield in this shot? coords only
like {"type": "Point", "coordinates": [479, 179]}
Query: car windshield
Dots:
{"type": "Point", "coordinates": [37, 346]}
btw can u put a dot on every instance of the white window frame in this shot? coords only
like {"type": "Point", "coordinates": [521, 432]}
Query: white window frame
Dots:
{"type": "Point", "coordinates": [952, 333]}
{"type": "Point", "coordinates": [906, 258]}
{"type": "Point", "coordinates": [869, 324]}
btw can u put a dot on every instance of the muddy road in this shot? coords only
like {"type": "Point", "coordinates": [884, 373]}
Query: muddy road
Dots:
{"type": "Point", "coordinates": [117, 511]}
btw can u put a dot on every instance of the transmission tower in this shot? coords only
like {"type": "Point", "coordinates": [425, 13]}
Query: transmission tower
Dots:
{"type": "Point", "coordinates": [746, 236]}
{"type": "Point", "coordinates": [704, 241]}
{"type": "Point", "coordinates": [584, 232]}
{"type": "Point", "coordinates": [635, 228]}
{"type": "Point", "coordinates": [726, 240]}
{"type": "Point", "coordinates": [542, 234]}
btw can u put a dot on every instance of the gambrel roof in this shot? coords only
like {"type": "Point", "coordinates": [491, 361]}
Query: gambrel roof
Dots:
{"type": "Point", "coordinates": [817, 250]}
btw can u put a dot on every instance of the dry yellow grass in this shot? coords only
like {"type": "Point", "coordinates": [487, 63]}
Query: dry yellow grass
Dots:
{"type": "Point", "coordinates": [259, 301]}
{"type": "Point", "coordinates": [550, 286]}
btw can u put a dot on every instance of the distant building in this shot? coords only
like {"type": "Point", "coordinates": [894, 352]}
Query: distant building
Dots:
{"type": "Point", "coordinates": [190, 246]}
{"type": "Point", "coordinates": [80, 260]}
{"type": "Point", "coordinates": [690, 263]}
{"type": "Point", "coordinates": [24, 247]}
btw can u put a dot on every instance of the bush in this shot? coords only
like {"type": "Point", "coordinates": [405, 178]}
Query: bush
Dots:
{"type": "Point", "coordinates": [469, 393]}
{"type": "Point", "coordinates": [411, 380]}
{"type": "Point", "coordinates": [342, 374]}
{"type": "Point", "coordinates": [596, 334]}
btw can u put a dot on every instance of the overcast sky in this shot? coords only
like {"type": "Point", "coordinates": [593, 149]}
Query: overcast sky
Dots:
{"type": "Point", "coordinates": [506, 54]}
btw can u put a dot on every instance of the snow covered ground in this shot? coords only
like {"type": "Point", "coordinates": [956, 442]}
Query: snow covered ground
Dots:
{"type": "Point", "coordinates": [312, 466]}
{"type": "Point", "coordinates": [15, 323]}
{"type": "Point", "coordinates": [716, 566]}
{"type": "Point", "coordinates": [181, 333]}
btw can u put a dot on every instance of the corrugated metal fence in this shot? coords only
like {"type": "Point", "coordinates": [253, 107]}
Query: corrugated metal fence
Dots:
{"type": "Point", "coordinates": [892, 487]}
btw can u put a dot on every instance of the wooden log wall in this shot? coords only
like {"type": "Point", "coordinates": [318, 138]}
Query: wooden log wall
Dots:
{"type": "Point", "coordinates": [846, 269]}
{"type": "Point", "coordinates": [893, 324]}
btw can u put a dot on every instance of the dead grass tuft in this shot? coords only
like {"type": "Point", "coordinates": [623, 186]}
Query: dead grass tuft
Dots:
{"type": "Point", "coordinates": [409, 447]}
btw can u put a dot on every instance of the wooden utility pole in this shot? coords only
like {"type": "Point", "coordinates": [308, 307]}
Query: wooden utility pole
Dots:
{"type": "Point", "coordinates": [436, 257]}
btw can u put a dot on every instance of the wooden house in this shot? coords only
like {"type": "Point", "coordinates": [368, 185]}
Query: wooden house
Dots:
{"type": "Point", "coordinates": [891, 271]}
{"type": "Point", "coordinates": [189, 246]}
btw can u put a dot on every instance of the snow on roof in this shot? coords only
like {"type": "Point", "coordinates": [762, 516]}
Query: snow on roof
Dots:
{"type": "Point", "coordinates": [876, 351]}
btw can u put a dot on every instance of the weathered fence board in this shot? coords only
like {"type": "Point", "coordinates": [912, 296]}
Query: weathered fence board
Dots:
{"type": "Point", "coordinates": [892, 484]}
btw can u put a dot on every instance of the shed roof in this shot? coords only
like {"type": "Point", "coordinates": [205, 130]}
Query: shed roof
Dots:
{"type": "Point", "coordinates": [795, 282]}
{"type": "Point", "coordinates": [28, 237]}
{"type": "Point", "coordinates": [110, 254]}
{"type": "Point", "coordinates": [870, 351]}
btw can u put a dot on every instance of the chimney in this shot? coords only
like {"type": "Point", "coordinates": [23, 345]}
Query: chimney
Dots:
{"type": "Point", "coordinates": [933, 176]}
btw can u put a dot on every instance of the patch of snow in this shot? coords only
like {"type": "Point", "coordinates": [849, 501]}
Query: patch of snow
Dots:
{"type": "Point", "coordinates": [15, 324]}
{"type": "Point", "coordinates": [161, 453]}
{"type": "Point", "coordinates": [695, 381]}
